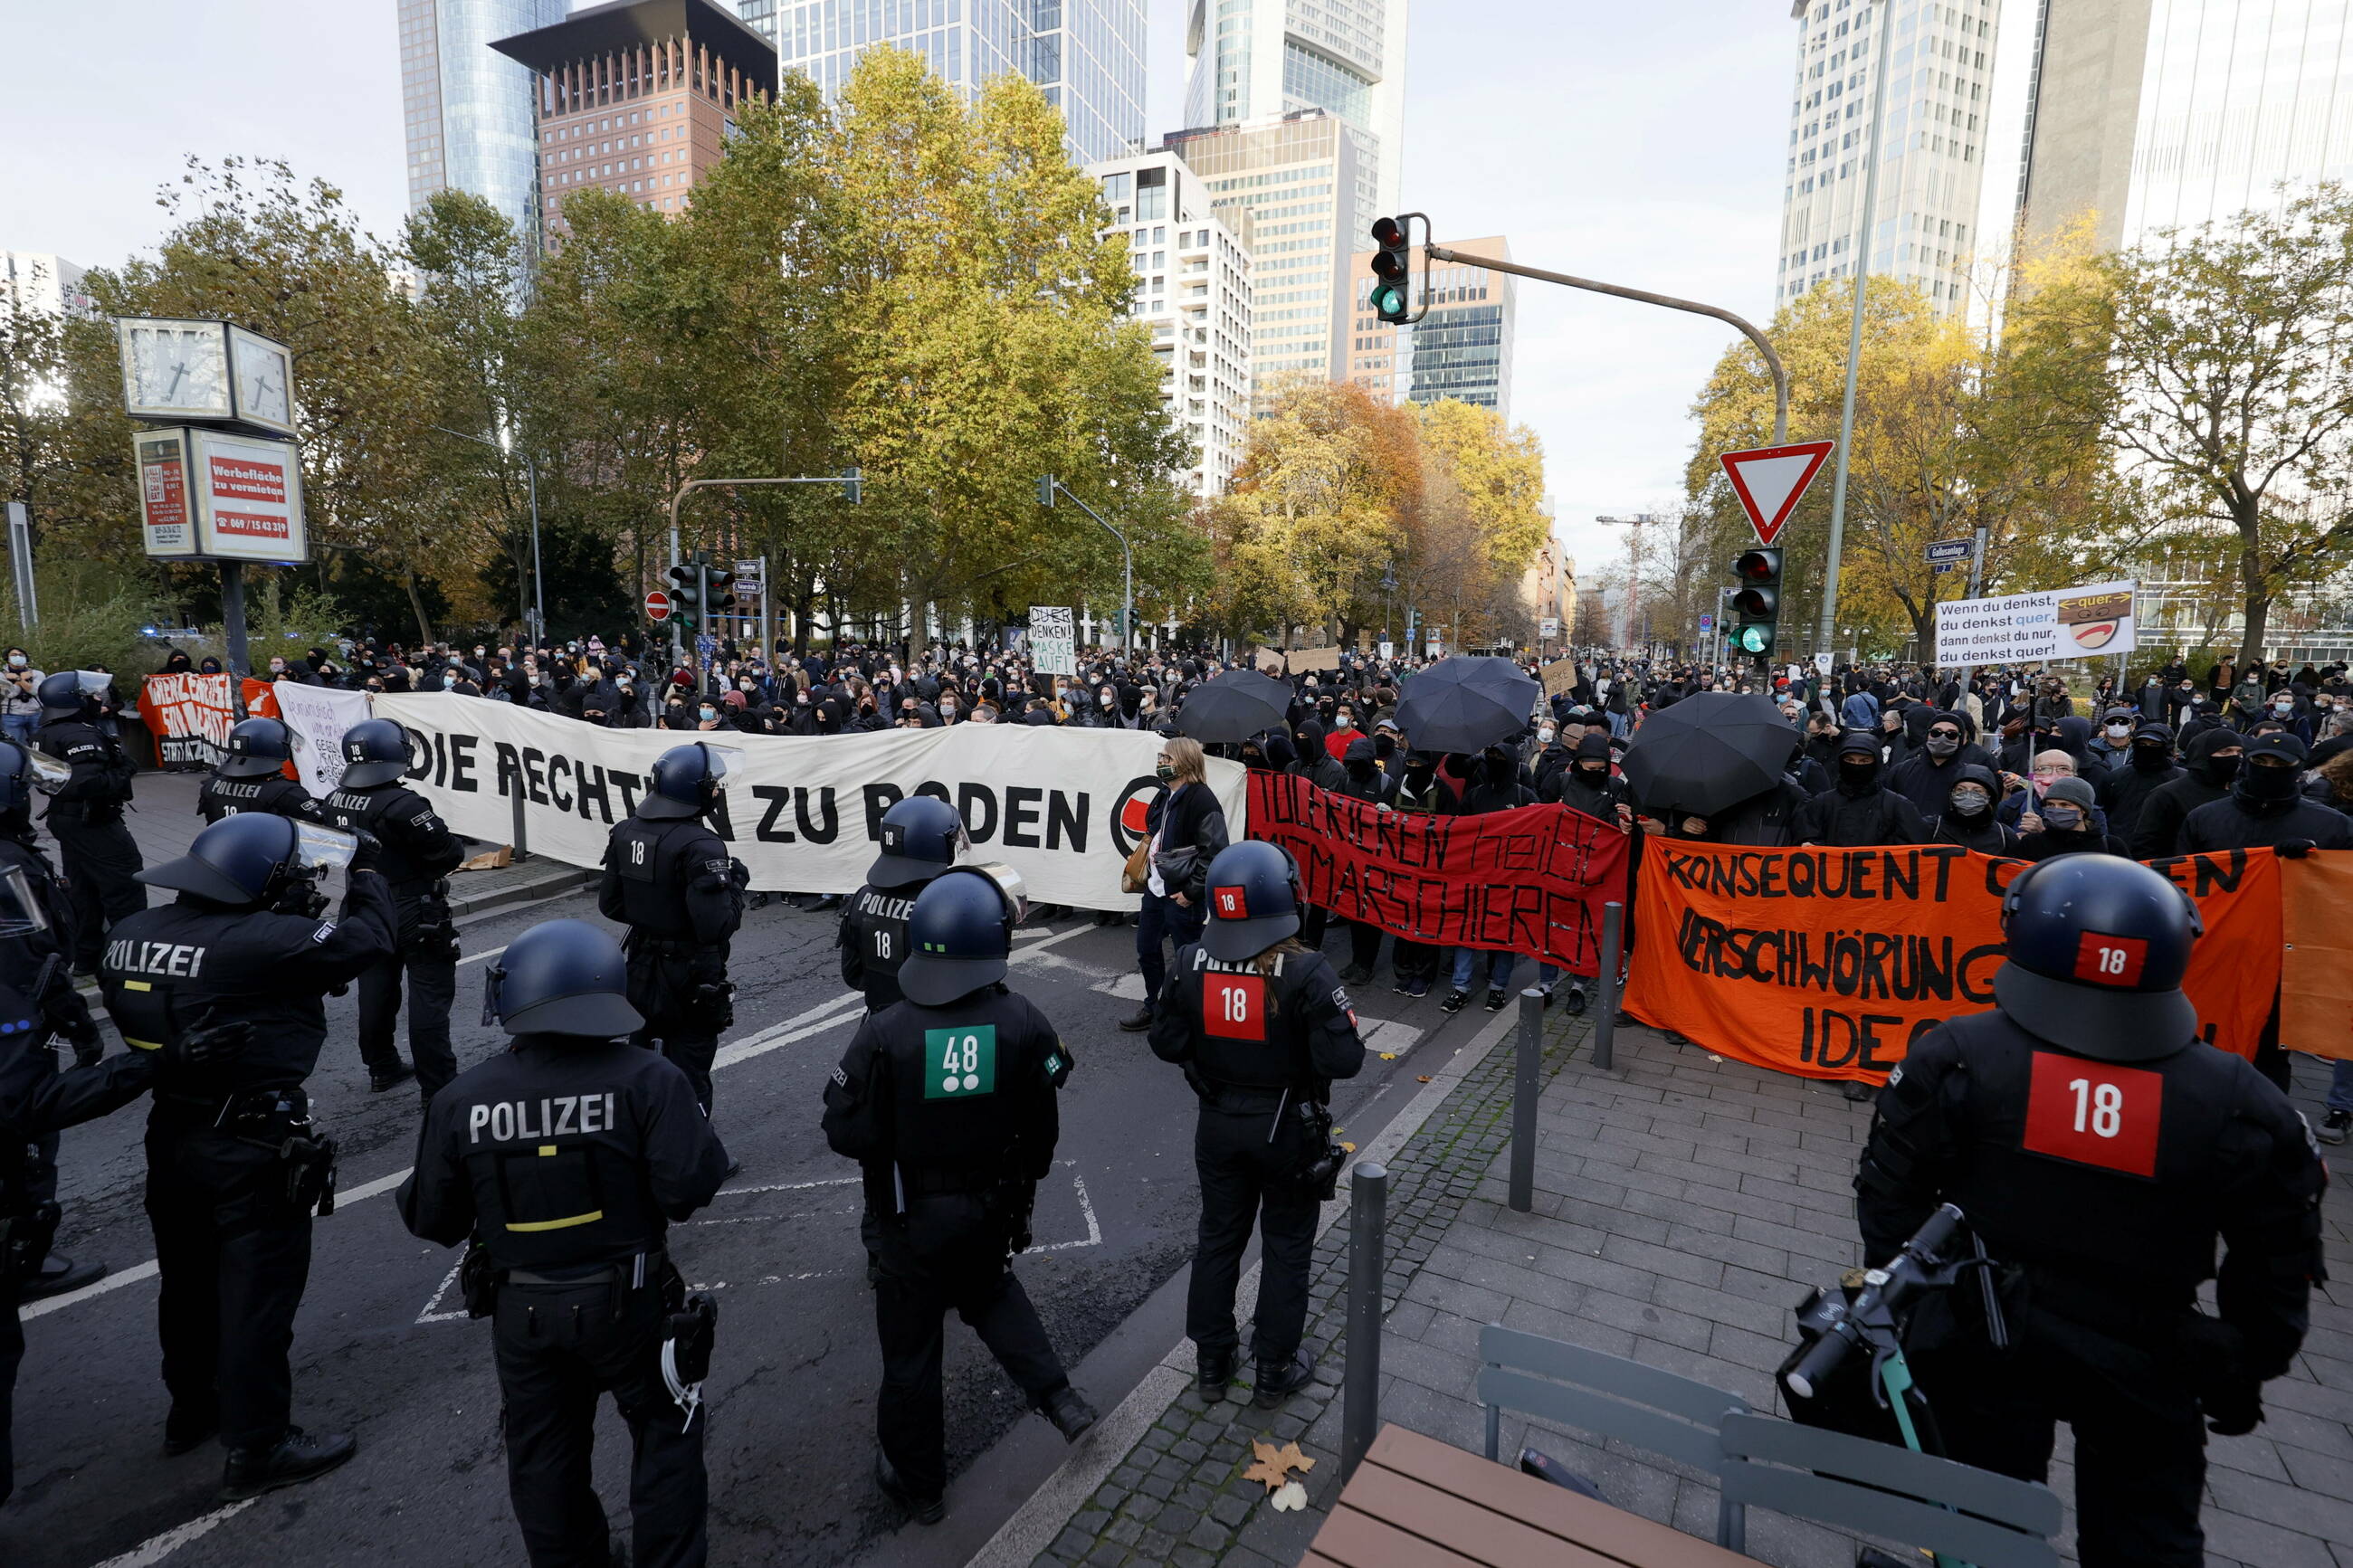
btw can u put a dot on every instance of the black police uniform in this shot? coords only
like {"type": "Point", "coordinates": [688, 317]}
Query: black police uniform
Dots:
{"type": "Point", "coordinates": [2107, 1184]}
{"type": "Point", "coordinates": [38, 1102]}
{"type": "Point", "coordinates": [672, 882]}
{"type": "Point", "coordinates": [276, 794]}
{"type": "Point", "coordinates": [873, 942]}
{"type": "Point", "coordinates": [1261, 1047]}
{"type": "Point", "coordinates": [85, 816]}
{"type": "Point", "coordinates": [567, 1159]}
{"type": "Point", "coordinates": [230, 1154]}
{"type": "Point", "coordinates": [419, 852]}
{"type": "Point", "coordinates": [951, 1112]}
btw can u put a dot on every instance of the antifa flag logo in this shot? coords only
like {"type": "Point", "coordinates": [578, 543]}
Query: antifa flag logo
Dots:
{"type": "Point", "coordinates": [1129, 811]}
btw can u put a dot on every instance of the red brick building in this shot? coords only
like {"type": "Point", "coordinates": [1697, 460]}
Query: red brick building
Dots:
{"type": "Point", "coordinates": [638, 96]}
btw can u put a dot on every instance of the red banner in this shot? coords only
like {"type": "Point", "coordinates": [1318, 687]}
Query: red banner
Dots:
{"type": "Point", "coordinates": [1530, 881]}
{"type": "Point", "coordinates": [1828, 962]}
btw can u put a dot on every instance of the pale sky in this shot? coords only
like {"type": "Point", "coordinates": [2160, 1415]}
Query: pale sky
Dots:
{"type": "Point", "coordinates": [1637, 144]}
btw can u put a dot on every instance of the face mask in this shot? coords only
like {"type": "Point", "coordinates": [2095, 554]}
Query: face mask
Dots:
{"type": "Point", "coordinates": [1104, 701]}
{"type": "Point", "coordinates": [1970, 800]}
{"type": "Point", "coordinates": [1165, 772]}
{"type": "Point", "coordinates": [16, 662]}
{"type": "Point", "coordinates": [2267, 781]}
{"type": "Point", "coordinates": [2064, 818]}
{"type": "Point", "coordinates": [1383, 745]}
{"type": "Point", "coordinates": [1944, 745]}
{"type": "Point", "coordinates": [2282, 707]}
{"type": "Point", "coordinates": [2118, 731]}
{"type": "Point", "coordinates": [2046, 778]}
{"type": "Point", "coordinates": [1345, 722]}
{"type": "Point", "coordinates": [711, 713]}
{"type": "Point", "coordinates": [1360, 771]}
{"type": "Point", "coordinates": [1544, 737]}
{"type": "Point", "coordinates": [1858, 770]}
{"type": "Point", "coordinates": [1416, 773]}
{"type": "Point", "coordinates": [1593, 773]}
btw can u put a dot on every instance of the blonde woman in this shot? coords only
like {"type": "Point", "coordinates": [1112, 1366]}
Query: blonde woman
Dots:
{"type": "Point", "coordinates": [1187, 828]}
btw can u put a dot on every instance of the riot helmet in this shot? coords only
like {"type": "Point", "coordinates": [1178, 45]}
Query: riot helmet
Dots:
{"type": "Point", "coordinates": [921, 836]}
{"type": "Point", "coordinates": [960, 933]}
{"type": "Point", "coordinates": [1253, 899]}
{"type": "Point", "coordinates": [70, 694]}
{"type": "Point", "coordinates": [561, 977]}
{"type": "Point", "coordinates": [686, 781]}
{"type": "Point", "coordinates": [2097, 947]}
{"type": "Point", "coordinates": [257, 747]}
{"type": "Point", "coordinates": [249, 859]}
{"type": "Point", "coordinates": [375, 752]}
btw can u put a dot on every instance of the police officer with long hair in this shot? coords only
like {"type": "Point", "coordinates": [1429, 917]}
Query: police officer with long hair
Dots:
{"type": "Point", "coordinates": [1262, 1026]}
{"type": "Point", "coordinates": [2100, 1149]}
{"type": "Point", "coordinates": [235, 1166]}
{"type": "Point", "coordinates": [671, 879]}
{"type": "Point", "coordinates": [947, 1102]}
{"type": "Point", "coordinates": [566, 1159]}
{"type": "Point", "coordinates": [251, 775]}
{"type": "Point", "coordinates": [921, 836]}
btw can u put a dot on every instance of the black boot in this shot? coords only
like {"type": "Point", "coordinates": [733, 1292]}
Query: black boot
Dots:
{"type": "Point", "coordinates": [1213, 1371]}
{"type": "Point", "coordinates": [1068, 1410]}
{"type": "Point", "coordinates": [393, 1077]}
{"type": "Point", "coordinates": [924, 1511]}
{"type": "Point", "coordinates": [186, 1431]}
{"type": "Point", "coordinates": [1277, 1382]}
{"type": "Point", "coordinates": [1136, 1023]}
{"type": "Point", "coordinates": [59, 1274]}
{"type": "Point", "coordinates": [294, 1458]}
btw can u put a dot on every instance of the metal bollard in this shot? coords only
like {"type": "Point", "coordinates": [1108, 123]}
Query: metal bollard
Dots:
{"type": "Point", "coordinates": [1613, 951]}
{"type": "Point", "coordinates": [1360, 1391]}
{"type": "Point", "coordinates": [522, 849]}
{"type": "Point", "coordinates": [1524, 1101]}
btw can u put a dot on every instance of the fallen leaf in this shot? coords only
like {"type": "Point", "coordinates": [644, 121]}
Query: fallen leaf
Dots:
{"type": "Point", "coordinates": [1423, 1078]}
{"type": "Point", "coordinates": [1351, 1147]}
{"type": "Point", "coordinates": [1714, 1058]}
{"type": "Point", "coordinates": [1388, 1055]}
{"type": "Point", "coordinates": [1275, 1464]}
{"type": "Point", "coordinates": [1289, 1497]}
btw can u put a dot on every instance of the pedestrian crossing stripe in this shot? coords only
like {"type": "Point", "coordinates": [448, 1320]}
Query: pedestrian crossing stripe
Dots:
{"type": "Point", "coordinates": [960, 1063]}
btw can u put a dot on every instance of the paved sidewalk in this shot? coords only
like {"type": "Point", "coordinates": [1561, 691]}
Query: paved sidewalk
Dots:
{"type": "Point", "coordinates": [1684, 1206]}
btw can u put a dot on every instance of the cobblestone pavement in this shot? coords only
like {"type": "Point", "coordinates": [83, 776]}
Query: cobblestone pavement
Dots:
{"type": "Point", "coordinates": [1682, 1207]}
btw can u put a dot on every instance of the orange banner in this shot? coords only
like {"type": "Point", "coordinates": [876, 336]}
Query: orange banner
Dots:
{"type": "Point", "coordinates": [1828, 962]}
{"type": "Point", "coordinates": [2317, 958]}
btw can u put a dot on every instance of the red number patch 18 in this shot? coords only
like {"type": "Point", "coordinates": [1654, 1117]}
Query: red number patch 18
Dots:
{"type": "Point", "coordinates": [1231, 903]}
{"type": "Point", "coordinates": [2095, 1113]}
{"type": "Point", "coordinates": [1233, 1006]}
{"type": "Point", "coordinates": [2105, 960]}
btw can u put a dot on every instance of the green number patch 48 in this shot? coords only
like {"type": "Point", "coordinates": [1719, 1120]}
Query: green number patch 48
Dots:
{"type": "Point", "coordinates": [959, 1064]}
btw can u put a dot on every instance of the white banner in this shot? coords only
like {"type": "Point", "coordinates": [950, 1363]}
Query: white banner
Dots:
{"type": "Point", "coordinates": [318, 715]}
{"type": "Point", "coordinates": [804, 813]}
{"type": "Point", "coordinates": [2025, 628]}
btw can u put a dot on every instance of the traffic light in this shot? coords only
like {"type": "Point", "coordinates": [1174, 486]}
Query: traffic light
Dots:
{"type": "Point", "coordinates": [1392, 273]}
{"type": "Point", "coordinates": [853, 483]}
{"type": "Point", "coordinates": [718, 590]}
{"type": "Point", "coordinates": [1045, 490]}
{"type": "Point", "coordinates": [686, 594]}
{"type": "Point", "coordinates": [1755, 602]}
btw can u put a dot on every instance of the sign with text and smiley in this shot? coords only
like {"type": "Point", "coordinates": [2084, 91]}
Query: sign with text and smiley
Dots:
{"type": "Point", "coordinates": [2096, 619]}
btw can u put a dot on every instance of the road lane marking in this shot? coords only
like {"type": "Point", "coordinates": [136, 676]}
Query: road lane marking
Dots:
{"type": "Point", "coordinates": [153, 1551]}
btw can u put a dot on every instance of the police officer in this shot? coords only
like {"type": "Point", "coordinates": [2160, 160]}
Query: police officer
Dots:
{"type": "Point", "coordinates": [39, 959]}
{"type": "Point", "coordinates": [1262, 1026]}
{"type": "Point", "coordinates": [36, 1099]}
{"type": "Point", "coordinates": [2097, 1144]}
{"type": "Point", "coordinates": [669, 878]}
{"type": "Point", "coordinates": [252, 778]}
{"type": "Point", "coordinates": [100, 858]}
{"type": "Point", "coordinates": [947, 1102]}
{"type": "Point", "coordinates": [235, 1166]}
{"type": "Point", "coordinates": [565, 1160]}
{"type": "Point", "coordinates": [418, 856]}
{"type": "Point", "coordinates": [921, 836]}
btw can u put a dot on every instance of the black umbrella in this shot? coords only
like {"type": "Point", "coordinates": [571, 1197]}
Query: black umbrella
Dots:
{"type": "Point", "coordinates": [1709, 752]}
{"type": "Point", "coordinates": [1466, 704]}
{"type": "Point", "coordinates": [1233, 706]}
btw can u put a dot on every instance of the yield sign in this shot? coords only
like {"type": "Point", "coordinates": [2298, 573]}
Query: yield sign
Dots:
{"type": "Point", "coordinates": [1769, 480]}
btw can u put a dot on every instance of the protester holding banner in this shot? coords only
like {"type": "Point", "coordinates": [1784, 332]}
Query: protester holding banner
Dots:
{"type": "Point", "coordinates": [1184, 830]}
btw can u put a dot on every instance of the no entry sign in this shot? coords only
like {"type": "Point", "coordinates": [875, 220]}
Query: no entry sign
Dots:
{"type": "Point", "coordinates": [656, 605]}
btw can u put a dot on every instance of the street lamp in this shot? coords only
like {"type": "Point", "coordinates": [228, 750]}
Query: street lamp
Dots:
{"type": "Point", "coordinates": [504, 445]}
{"type": "Point", "coordinates": [1049, 487]}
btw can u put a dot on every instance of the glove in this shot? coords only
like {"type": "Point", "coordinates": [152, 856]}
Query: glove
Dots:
{"type": "Point", "coordinates": [2293, 848]}
{"type": "Point", "coordinates": [210, 1046]}
{"type": "Point", "coordinates": [2234, 1407]}
{"type": "Point", "coordinates": [368, 854]}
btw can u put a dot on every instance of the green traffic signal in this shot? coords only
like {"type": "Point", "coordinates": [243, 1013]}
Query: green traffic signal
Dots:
{"type": "Point", "coordinates": [1392, 293]}
{"type": "Point", "coordinates": [1388, 301]}
{"type": "Point", "coordinates": [1756, 601]}
{"type": "Point", "coordinates": [1753, 639]}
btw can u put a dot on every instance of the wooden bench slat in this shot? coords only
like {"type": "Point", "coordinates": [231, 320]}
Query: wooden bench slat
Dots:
{"type": "Point", "coordinates": [1354, 1540]}
{"type": "Point", "coordinates": [1435, 1513]}
{"type": "Point", "coordinates": [1611, 1533]}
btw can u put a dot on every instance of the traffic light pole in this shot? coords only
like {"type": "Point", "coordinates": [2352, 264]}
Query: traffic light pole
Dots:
{"type": "Point", "coordinates": [1053, 486]}
{"type": "Point", "coordinates": [1772, 361]}
{"type": "Point", "coordinates": [851, 478]}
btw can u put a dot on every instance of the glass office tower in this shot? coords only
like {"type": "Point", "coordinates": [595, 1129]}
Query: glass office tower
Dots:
{"type": "Point", "coordinates": [469, 107]}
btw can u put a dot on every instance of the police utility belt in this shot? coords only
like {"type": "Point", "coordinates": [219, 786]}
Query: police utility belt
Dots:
{"type": "Point", "coordinates": [278, 1119]}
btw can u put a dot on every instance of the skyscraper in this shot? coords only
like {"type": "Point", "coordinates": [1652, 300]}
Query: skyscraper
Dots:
{"type": "Point", "coordinates": [1461, 349]}
{"type": "Point", "coordinates": [639, 97]}
{"type": "Point", "coordinates": [2156, 113]}
{"type": "Point", "coordinates": [1087, 55]}
{"type": "Point", "coordinates": [1193, 290]}
{"type": "Point", "coordinates": [1932, 153]}
{"type": "Point", "coordinates": [1293, 176]}
{"type": "Point", "coordinates": [468, 108]}
{"type": "Point", "coordinates": [1255, 59]}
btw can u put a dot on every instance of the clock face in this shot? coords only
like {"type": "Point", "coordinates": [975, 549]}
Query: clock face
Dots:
{"type": "Point", "coordinates": [264, 381]}
{"type": "Point", "coordinates": [176, 367]}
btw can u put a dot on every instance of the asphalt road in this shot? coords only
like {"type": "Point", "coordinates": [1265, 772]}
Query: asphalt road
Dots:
{"type": "Point", "coordinates": [384, 1350]}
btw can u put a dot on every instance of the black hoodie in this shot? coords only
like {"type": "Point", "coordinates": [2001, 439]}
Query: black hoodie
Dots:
{"type": "Point", "coordinates": [2148, 766]}
{"type": "Point", "coordinates": [1579, 794]}
{"type": "Point", "coordinates": [1984, 832]}
{"type": "Point", "coordinates": [2157, 831]}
